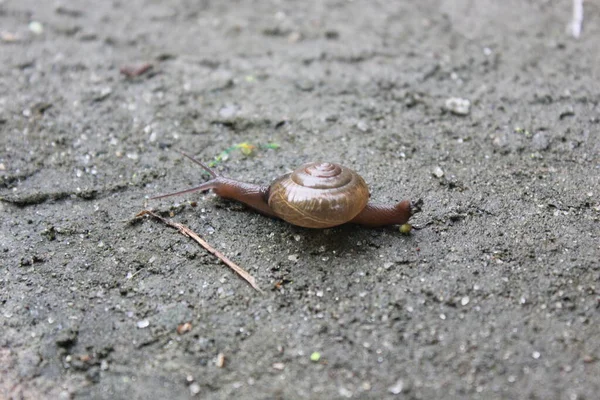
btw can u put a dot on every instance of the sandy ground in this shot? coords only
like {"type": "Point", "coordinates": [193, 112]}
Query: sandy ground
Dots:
{"type": "Point", "coordinates": [498, 296]}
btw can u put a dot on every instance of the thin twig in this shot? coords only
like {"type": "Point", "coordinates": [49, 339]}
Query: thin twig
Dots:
{"type": "Point", "coordinates": [189, 233]}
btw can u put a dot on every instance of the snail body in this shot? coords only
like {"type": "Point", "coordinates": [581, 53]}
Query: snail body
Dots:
{"type": "Point", "coordinates": [316, 195]}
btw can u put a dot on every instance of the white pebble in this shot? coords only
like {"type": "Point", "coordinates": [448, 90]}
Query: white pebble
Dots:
{"type": "Point", "coordinates": [438, 172]}
{"type": "Point", "coordinates": [458, 106]}
{"type": "Point", "coordinates": [397, 387]}
{"type": "Point", "coordinates": [143, 324]}
{"type": "Point", "coordinates": [36, 27]}
{"type": "Point", "coordinates": [194, 388]}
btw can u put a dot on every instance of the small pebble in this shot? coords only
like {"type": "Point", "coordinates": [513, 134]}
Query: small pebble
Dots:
{"type": "Point", "coordinates": [36, 27]}
{"type": "Point", "coordinates": [362, 126]}
{"type": "Point", "coordinates": [438, 172]}
{"type": "Point", "coordinates": [458, 106]}
{"type": "Point", "coordinates": [194, 389]}
{"type": "Point", "coordinates": [143, 324]}
{"type": "Point", "coordinates": [220, 360]}
{"type": "Point", "coordinates": [347, 393]}
{"type": "Point", "coordinates": [397, 387]}
{"type": "Point", "coordinates": [183, 328]}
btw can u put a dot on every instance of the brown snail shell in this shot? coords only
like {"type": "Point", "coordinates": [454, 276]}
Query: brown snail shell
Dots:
{"type": "Point", "coordinates": [318, 195]}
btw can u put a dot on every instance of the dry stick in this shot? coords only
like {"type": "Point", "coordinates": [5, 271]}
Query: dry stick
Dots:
{"type": "Point", "coordinates": [189, 233]}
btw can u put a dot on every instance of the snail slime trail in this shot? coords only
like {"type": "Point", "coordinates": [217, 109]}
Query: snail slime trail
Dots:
{"type": "Point", "coordinates": [315, 195]}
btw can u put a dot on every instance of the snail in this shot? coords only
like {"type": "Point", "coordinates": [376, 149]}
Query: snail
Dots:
{"type": "Point", "coordinates": [316, 195]}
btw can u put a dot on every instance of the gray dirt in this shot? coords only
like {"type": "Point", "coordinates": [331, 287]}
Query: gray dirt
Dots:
{"type": "Point", "coordinates": [497, 296]}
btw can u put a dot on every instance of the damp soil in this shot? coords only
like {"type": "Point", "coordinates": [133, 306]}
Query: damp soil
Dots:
{"type": "Point", "coordinates": [496, 296]}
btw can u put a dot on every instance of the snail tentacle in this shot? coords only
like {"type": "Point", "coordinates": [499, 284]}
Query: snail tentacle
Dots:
{"type": "Point", "coordinates": [202, 188]}
{"type": "Point", "coordinates": [254, 196]}
{"type": "Point", "coordinates": [205, 167]}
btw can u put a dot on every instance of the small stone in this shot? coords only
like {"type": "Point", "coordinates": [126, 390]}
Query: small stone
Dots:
{"type": "Point", "coordinates": [279, 366]}
{"type": "Point", "coordinates": [362, 126]}
{"type": "Point", "coordinates": [438, 172]}
{"type": "Point", "coordinates": [194, 389]}
{"type": "Point", "coordinates": [36, 27]}
{"type": "Point", "coordinates": [401, 386]}
{"type": "Point", "coordinates": [458, 106]}
{"type": "Point", "coordinates": [220, 360]}
{"type": "Point", "coordinates": [143, 324]}
{"type": "Point", "coordinates": [347, 393]}
{"type": "Point", "coordinates": [397, 387]}
{"type": "Point", "coordinates": [183, 328]}
{"type": "Point", "coordinates": [293, 257]}
{"type": "Point", "coordinates": [465, 300]}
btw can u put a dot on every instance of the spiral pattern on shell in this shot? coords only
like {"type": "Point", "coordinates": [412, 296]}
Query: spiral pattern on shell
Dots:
{"type": "Point", "coordinates": [319, 195]}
